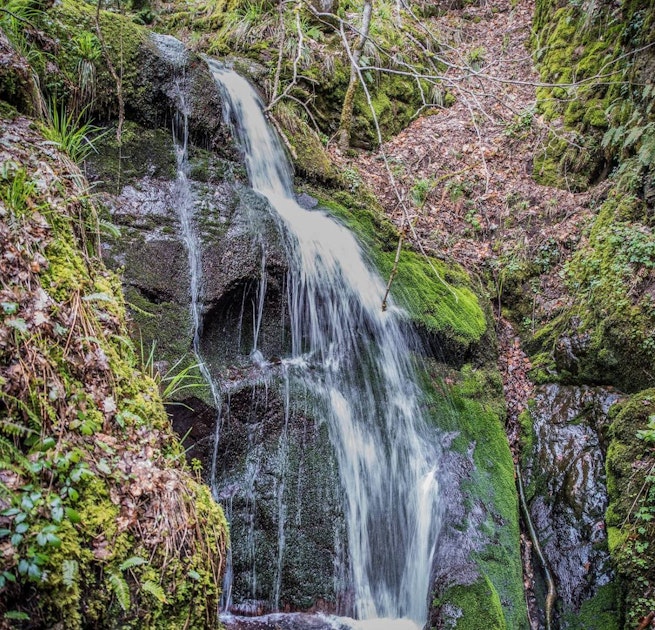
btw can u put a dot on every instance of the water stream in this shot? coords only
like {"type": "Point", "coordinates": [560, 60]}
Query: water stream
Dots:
{"type": "Point", "coordinates": [355, 363]}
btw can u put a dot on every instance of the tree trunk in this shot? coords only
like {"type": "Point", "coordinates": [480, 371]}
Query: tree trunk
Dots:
{"type": "Point", "coordinates": [345, 124]}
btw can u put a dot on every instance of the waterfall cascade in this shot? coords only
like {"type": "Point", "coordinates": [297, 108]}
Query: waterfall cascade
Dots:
{"type": "Point", "coordinates": [355, 363]}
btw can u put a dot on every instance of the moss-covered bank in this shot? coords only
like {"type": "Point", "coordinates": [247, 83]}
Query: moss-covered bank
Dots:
{"type": "Point", "coordinates": [600, 59]}
{"type": "Point", "coordinates": [101, 523]}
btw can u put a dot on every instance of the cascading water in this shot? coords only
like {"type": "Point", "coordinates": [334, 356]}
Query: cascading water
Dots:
{"type": "Point", "coordinates": [354, 361]}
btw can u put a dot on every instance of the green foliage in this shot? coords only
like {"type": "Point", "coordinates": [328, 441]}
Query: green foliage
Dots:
{"type": "Point", "coordinates": [631, 513]}
{"type": "Point", "coordinates": [69, 133]}
{"type": "Point", "coordinates": [121, 590]}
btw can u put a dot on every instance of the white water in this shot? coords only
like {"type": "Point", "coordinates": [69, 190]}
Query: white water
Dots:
{"type": "Point", "coordinates": [363, 379]}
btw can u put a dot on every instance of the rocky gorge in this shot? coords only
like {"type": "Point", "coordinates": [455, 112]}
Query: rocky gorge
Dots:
{"type": "Point", "coordinates": [582, 443]}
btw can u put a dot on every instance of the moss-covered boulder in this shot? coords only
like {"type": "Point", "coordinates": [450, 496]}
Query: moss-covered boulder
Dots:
{"type": "Point", "coordinates": [101, 524]}
{"type": "Point", "coordinates": [478, 563]}
{"type": "Point", "coordinates": [631, 512]}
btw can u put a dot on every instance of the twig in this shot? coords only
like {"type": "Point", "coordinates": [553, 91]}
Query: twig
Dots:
{"type": "Point", "coordinates": [552, 593]}
{"type": "Point", "coordinates": [114, 74]}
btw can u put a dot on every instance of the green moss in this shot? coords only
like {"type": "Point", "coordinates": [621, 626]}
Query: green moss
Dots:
{"type": "Point", "coordinates": [476, 607]}
{"type": "Point", "coordinates": [588, 52]}
{"type": "Point", "coordinates": [311, 159]}
{"type": "Point", "coordinates": [474, 409]}
{"type": "Point", "coordinates": [630, 515]}
{"type": "Point", "coordinates": [123, 39]}
{"type": "Point", "coordinates": [613, 315]}
{"type": "Point", "coordinates": [600, 612]}
{"type": "Point", "coordinates": [437, 296]}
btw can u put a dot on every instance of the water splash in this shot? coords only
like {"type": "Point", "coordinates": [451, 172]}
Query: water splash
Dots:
{"type": "Point", "coordinates": [362, 381]}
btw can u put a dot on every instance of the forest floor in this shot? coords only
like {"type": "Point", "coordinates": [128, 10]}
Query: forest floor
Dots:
{"type": "Point", "coordinates": [484, 209]}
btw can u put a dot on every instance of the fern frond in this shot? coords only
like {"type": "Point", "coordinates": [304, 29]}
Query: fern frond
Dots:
{"type": "Point", "coordinates": [122, 590]}
{"type": "Point", "coordinates": [155, 590]}
{"type": "Point", "coordinates": [134, 561]}
{"type": "Point", "coordinates": [69, 571]}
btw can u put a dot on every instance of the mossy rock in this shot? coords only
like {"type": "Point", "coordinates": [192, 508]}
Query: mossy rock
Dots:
{"type": "Point", "coordinates": [142, 152]}
{"type": "Point", "coordinates": [607, 336]}
{"type": "Point", "coordinates": [488, 571]}
{"type": "Point", "coordinates": [472, 607]}
{"type": "Point", "coordinates": [601, 612]}
{"type": "Point", "coordinates": [310, 157]}
{"type": "Point", "coordinates": [631, 512]}
{"type": "Point", "coordinates": [119, 533]}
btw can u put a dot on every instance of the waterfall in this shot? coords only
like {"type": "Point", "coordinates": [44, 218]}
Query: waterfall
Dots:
{"type": "Point", "coordinates": [355, 363]}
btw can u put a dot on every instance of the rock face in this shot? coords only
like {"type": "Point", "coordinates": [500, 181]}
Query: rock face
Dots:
{"type": "Point", "coordinates": [170, 78]}
{"type": "Point", "coordinates": [565, 477]}
{"type": "Point", "coordinates": [273, 468]}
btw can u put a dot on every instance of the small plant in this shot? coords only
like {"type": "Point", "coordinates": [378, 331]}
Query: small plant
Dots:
{"type": "Point", "coordinates": [520, 124]}
{"type": "Point", "coordinates": [648, 434]}
{"type": "Point", "coordinates": [16, 189]}
{"type": "Point", "coordinates": [475, 58]}
{"type": "Point", "coordinates": [87, 47]}
{"type": "Point", "coordinates": [353, 180]}
{"type": "Point", "coordinates": [69, 132]}
{"type": "Point", "coordinates": [420, 191]}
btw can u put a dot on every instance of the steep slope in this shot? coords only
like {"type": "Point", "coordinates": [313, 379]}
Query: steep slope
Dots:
{"type": "Point", "coordinates": [102, 524]}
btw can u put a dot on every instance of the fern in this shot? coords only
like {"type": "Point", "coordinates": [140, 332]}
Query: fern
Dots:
{"type": "Point", "coordinates": [14, 428]}
{"type": "Point", "coordinates": [121, 589]}
{"type": "Point", "coordinates": [69, 572]}
{"type": "Point", "coordinates": [134, 561]}
{"type": "Point", "coordinates": [11, 455]}
{"type": "Point", "coordinates": [155, 590]}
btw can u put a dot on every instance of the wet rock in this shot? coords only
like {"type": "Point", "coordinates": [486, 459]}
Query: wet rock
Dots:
{"type": "Point", "coordinates": [279, 482]}
{"type": "Point", "coordinates": [171, 78]}
{"type": "Point", "coordinates": [282, 621]}
{"type": "Point", "coordinates": [565, 478]}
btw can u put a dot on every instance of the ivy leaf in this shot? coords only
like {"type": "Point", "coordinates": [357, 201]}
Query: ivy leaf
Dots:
{"type": "Point", "coordinates": [18, 323]}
